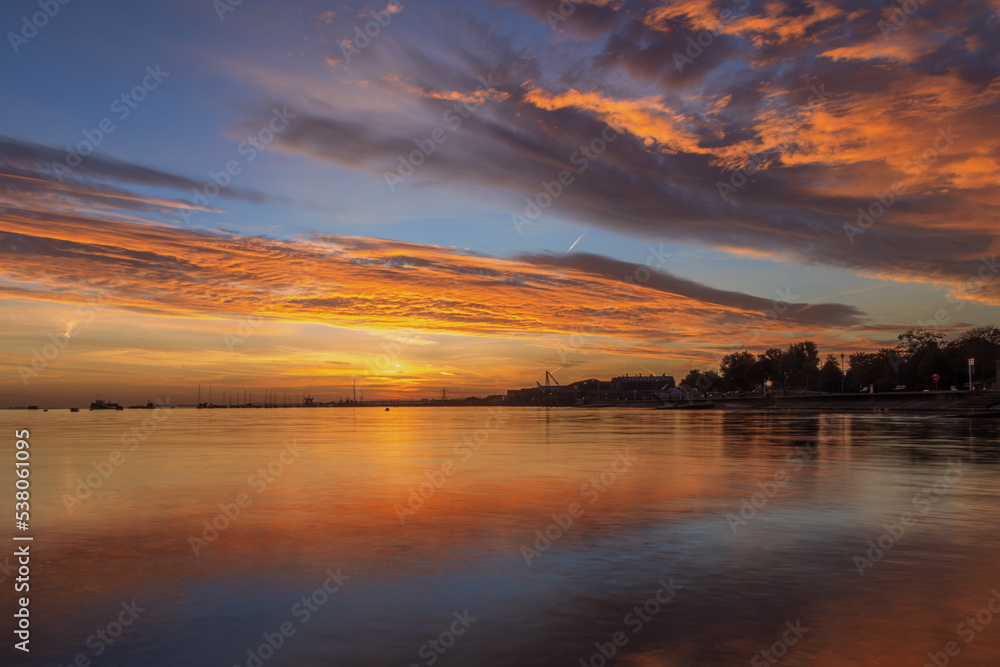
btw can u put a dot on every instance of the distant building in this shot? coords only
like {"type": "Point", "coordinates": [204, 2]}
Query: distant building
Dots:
{"type": "Point", "coordinates": [582, 392]}
{"type": "Point", "coordinates": [640, 387]}
{"type": "Point", "coordinates": [642, 382]}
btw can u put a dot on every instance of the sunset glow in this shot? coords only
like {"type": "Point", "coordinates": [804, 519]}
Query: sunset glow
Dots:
{"type": "Point", "coordinates": [257, 225]}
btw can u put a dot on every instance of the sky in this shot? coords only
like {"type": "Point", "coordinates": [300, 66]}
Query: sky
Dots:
{"type": "Point", "coordinates": [427, 195]}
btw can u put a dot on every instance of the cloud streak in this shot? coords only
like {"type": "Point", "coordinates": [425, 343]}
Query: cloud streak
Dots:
{"type": "Point", "coordinates": [54, 254]}
{"type": "Point", "coordinates": [27, 170]}
{"type": "Point", "coordinates": [887, 98]}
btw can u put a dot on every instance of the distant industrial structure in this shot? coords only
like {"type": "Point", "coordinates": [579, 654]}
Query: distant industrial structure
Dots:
{"type": "Point", "coordinates": [593, 391]}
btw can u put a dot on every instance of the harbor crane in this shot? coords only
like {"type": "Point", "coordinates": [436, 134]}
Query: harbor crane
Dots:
{"type": "Point", "coordinates": [547, 385]}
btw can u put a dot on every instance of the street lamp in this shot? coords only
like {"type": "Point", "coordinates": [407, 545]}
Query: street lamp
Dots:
{"type": "Point", "coordinates": [843, 373]}
{"type": "Point", "coordinates": [972, 362]}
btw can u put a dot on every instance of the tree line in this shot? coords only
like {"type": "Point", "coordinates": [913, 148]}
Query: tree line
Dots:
{"type": "Point", "coordinates": [913, 362]}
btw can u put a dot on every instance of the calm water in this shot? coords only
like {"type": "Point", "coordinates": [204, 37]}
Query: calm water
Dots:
{"type": "Point", "coordinates": [657, 498]}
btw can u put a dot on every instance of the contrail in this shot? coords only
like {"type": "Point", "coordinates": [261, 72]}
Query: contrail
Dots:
{"type": "Point", "coordinates": [574, 244]}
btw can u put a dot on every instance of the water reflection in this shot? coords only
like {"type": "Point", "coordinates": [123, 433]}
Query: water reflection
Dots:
{"type": "Point", "coordinates": [820, 486]}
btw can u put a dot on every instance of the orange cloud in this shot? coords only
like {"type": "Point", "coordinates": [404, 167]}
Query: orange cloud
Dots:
{"type": "Point", "coordinates": [475, 97]}
{"type": "Point", "coordinates": [904, 47]}
{"type": "Point", "coordinates": [918, 114]}
{"type": "Point", "coordinates": [336, 280]}
{"type": "Point", "coordinates": [649, 119]}
{"type": "Point", "coordinates": [197, 284]}
{"type": "Point", "coordinates": [777, 23]}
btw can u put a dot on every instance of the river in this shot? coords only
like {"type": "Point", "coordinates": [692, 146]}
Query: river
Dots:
{"type": "Point", "coordinates": [517, 536]}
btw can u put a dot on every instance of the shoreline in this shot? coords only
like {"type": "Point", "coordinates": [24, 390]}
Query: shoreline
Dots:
{"type": "Point", "coordinates": [985, 403]}
{"type": "Point", "coordinates": [944, 402]}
